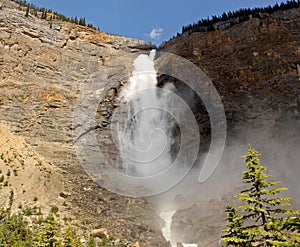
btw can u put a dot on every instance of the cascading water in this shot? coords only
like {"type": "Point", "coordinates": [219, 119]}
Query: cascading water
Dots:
{"type": "Point", "coordinates": [166, 230]}
{"type": "Point", "coordinates": [145, 138]}
{"type": "Point", "coordinates": [145, 130]}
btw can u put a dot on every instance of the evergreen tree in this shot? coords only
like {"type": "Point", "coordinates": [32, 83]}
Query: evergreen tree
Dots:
{"type": "Point", "coordinates": [71, 239]}
{"type": "Point", "coordinates": [49, 235]}
{"type": "Point", "coordinates": [263, 219]}
{"type": "Point", "coordinates": [235, 227]}
{"type": "Point", "coordinates": [44, 14]}
{"type": "Point", "coordinates": [27, 11]}
{"type": "Point", "coordinates": [91, 242]}
{"type": "Point", "coordinates": [242, 15]}
{"type": "Point", "coordinates": [82, 21]}
{"type": "Point", "coordinates": [14, 230]}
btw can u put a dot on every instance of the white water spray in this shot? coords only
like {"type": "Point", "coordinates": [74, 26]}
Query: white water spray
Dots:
{"type": "Point", "coordinates": [166, 230]}
{"type": "Point", "coordinates": [145, 133]}
{"type": "Point", "coordinates": [145, 138]}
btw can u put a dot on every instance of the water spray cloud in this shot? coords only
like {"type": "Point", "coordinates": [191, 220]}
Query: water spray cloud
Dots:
{"type": "Point", "coordinates": [142, 129]}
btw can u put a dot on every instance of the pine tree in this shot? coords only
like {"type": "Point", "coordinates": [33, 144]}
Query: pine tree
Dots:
{"type": "Point", "coordinates": [235, 227]}
{"type": "Point", "coordinates": [91, 242]}
{"type": "Point", "coordinates": [82, 21]}
{"type": "Point", "coordinates": [49, 235]}
{"type": "Point", "coordinates": [70, 238]}
{"type": "Point", "coordinates": [263, 219]}
{"type": "Point", "coordinates": [44, 14]}
{"type": "Point", "coordinates": [27, 11]}
{"type": "Point", "coordinates": [14, 230]}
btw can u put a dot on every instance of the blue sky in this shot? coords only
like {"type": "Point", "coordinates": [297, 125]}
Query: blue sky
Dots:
{"type": "Point", "coordinates": [152, 20]}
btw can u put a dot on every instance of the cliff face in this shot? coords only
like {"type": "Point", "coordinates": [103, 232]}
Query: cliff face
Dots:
{"type": "Point", "coordinates": [42, 70]}
{"type": "Point", "coordinates": [254, 65]}
{"type": "Point", "coordinates": [45, 67]}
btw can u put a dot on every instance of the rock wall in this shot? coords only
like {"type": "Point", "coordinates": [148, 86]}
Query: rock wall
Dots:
{"type": "Point", "coordinates": [253, 65]}
{"type": "Point", "coordinates": [43, 69]}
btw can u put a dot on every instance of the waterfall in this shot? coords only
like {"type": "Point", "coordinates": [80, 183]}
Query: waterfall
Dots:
{"type": "Point", "coordinates": [145, 137]}
{"type": "Point", "coordinates": [146, 128]}
{"type": "Point", "coordinates": [166, 230]}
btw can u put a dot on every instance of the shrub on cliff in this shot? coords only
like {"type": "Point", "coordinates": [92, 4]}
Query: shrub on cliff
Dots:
{"type": "Point", "coordinates": [15, 231]}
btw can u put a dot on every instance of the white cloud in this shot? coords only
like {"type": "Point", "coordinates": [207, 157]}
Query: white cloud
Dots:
{"type": "Point", "coordinates": [156, 33]}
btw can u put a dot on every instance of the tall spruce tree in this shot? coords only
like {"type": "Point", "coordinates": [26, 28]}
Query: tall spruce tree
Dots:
{"type": "Point", "coordinates": [263, 219]}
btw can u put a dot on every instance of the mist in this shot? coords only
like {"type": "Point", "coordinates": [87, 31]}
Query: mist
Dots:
{"type": "Point", "coordinates": [280, 153]}
{"type": "Point", "coordinates": [150, 145]}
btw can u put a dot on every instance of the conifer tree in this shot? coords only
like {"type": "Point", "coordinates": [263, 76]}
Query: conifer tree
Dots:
{"type": "Point", "coordinates": [70, 238]}
{"type": "Point", "coordinates": [14, 229]}
{"type": "Point", "coordinates": [262, 220]}
{"type": "Point", "coordinates": [49, 235]}
{"type": "Point", "coordinates": [27, 11]}
{"type": "Point", "coordinates": [44, 14]}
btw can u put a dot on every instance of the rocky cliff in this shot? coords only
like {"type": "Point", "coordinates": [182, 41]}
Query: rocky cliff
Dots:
{"type": "Point", "coordinates": [255, 67]}
{"type": "Point", "coordinates": [43, 67]}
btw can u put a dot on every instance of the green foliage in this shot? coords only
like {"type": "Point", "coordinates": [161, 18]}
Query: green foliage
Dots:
{"type": "Point", "coordinates": [15, 232]}
{"type": "Point", "coordinates": [234, 226]}
{"type": "Point", "coordinates": [27, 11]}
{"type": "Point", "coordinates": [15, 172]}
{"type": "Point", "coordinates": [82, 22]}
{"type": "Point", "coordinates": [54, 209]}
{"type": "Point", "coordinates": [49, 234]}
{"type": "Point", "coordinates": [91, 242]}
{"type": "Point", "coordinates": [11, 199]}
{"type": "Point", "coordinates": [262, 220]}
{"type": "Point", "coordinates": [44, 14]}
{"type": "Point", "coordinates": [70, 238]}
{"type": "Point", "coordinates": [48, 14]}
